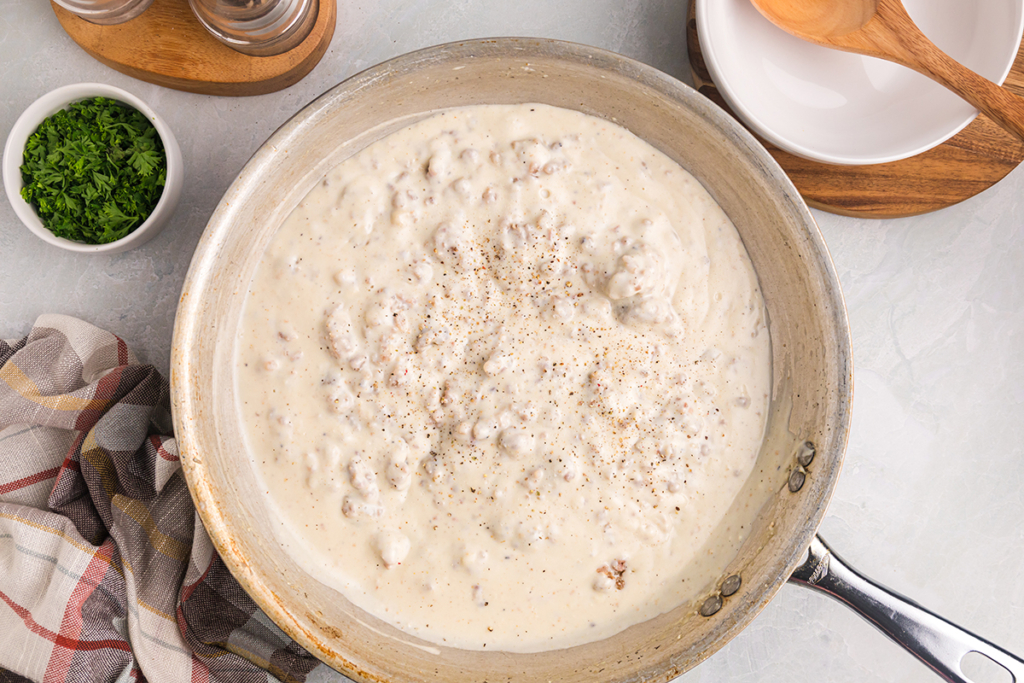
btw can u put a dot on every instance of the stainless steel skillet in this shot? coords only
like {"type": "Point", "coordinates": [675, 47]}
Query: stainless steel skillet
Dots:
{"type": "Point", "coordinates": [784, 500]}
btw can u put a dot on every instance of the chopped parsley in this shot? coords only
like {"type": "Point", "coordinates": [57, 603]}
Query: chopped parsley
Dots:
{"type": "Point", "coordinates": [94, 171]}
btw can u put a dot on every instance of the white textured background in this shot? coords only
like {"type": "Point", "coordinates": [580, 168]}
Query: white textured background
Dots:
{"type": "Point", "coordinates": [931, 501]}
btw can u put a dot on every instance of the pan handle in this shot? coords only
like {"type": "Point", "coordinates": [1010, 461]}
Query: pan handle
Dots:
{"type": "Point", "coordinates": [940, 644]}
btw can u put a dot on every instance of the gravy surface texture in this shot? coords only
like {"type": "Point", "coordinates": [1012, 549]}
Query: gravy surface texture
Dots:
{"type": "Point", "coordinates": [503, 373]}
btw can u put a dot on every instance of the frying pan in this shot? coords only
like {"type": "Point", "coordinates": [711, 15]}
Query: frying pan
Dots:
{"type": "Point", "coordinates": [785, 497]}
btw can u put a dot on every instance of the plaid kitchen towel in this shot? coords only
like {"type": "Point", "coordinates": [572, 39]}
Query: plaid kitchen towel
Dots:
{"type": "Point", "coordinates": [106, 572]}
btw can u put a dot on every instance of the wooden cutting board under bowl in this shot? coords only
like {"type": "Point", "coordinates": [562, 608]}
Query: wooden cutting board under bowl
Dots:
{"type": "Point", "coordinates": [168, 46]}
{"type": "Point", "coordinates": [970, 162]}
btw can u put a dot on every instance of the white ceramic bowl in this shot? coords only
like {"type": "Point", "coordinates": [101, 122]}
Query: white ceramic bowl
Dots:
{"type": "Point", "coordinates": [842, 108]}
{"type": "Point", "coordinates": [53, 102]}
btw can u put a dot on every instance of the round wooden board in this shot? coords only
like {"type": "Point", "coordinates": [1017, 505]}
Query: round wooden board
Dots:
{"type": "Point", "coordinates": [975, 159]}
{"type": "Point", "coordinates": [168, 46]}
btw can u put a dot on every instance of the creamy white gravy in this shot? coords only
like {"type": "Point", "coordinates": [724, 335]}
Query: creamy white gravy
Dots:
{"type": "Point", "coordinates": [503, 373]}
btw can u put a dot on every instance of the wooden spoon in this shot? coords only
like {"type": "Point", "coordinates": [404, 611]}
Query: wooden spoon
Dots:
{"type": "Point", "coordinates": [883, 29]}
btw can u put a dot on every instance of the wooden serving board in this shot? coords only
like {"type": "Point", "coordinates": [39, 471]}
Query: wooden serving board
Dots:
{"type": "Point", "coordinates": [975, 159]}
{"type": "Point", "coordinates": [168, 46]}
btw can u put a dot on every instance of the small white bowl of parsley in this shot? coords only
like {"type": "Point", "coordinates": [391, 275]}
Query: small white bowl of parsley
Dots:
{"type": "Point", "coordinates": [91, 168]}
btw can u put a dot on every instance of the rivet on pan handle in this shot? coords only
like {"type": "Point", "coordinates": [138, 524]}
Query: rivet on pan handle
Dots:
{"type": "Point", "coordinates": [939, 643]}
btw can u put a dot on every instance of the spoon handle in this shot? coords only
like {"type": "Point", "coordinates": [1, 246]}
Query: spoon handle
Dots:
{"type": "Point", "coordinates": [998, 103]}
{"type": "Point", "coordinates": [904, 43]}
{"type": "Point", "coordinates": [938, 643]}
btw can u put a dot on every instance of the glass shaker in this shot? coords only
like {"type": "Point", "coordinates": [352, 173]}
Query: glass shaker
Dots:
{"type": "Point", "coordinates": [258, 27]}
{"type": "Point", "coordinates": [105, 11]}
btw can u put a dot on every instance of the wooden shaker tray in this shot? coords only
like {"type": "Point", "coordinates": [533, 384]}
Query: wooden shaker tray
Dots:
{"type": "Point", "coordinates": [971, 161]}
{"type": "Point", "coordinates": [168, 46]}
